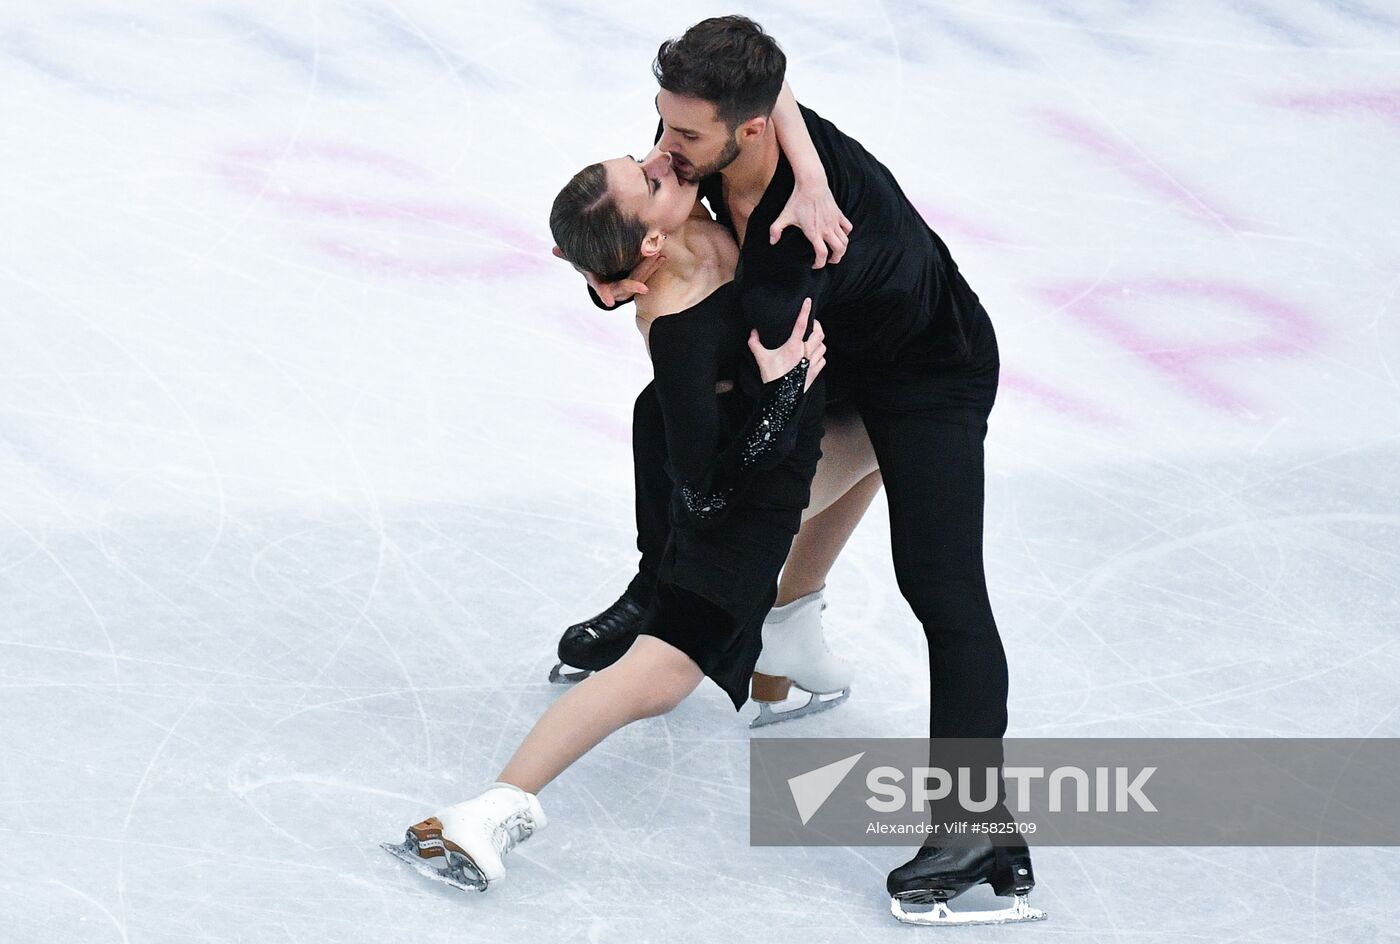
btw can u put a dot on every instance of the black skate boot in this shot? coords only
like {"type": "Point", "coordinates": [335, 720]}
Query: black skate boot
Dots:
{"type": "Point", "coordinates": [938, 874]}
{"type": "Point", "coordinates": [597, 642]}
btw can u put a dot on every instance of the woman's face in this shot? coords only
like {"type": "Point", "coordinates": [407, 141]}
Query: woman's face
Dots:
{"type": "Point", "coordinates": [650, 191]}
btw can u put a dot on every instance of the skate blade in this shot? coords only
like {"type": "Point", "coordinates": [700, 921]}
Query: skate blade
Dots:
{"type": "Point", "coordinates": [941, 914]}
{"type": "Point", "coordinates": [558, 676]}
{"type": "Point", "coordinates": [459, 874]}
{"type": "Point", "coordinates": [815, 705]}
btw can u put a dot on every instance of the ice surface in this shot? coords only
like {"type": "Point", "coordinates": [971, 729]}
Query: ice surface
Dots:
{"type": "Point", "coordinates": [309, 450]}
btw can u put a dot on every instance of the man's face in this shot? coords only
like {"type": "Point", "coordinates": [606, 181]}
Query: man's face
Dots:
{"type": "Point", "coordinates": [698, 142]}
{"type": "Point", "coordinates": [650, 191]}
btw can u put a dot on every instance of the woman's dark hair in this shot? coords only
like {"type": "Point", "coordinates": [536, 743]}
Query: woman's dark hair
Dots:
{"type": "Point", "coordinates": [591, 231]}
{"type": "Point", "coordinates": [728, 61]}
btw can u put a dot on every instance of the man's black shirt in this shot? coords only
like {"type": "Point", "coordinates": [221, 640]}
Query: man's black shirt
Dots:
{"type": "Point", "coordinates": [896, 299]}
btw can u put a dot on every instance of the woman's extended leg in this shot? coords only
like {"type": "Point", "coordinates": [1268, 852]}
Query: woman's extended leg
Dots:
{"type": "Point", "coordinates": [465, 844]}
{"type": "Point", "coordinates": [650, 679]}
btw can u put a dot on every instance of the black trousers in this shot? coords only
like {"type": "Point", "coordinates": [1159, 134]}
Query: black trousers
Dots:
{"type": "Point", "coordinates": [927, 426]}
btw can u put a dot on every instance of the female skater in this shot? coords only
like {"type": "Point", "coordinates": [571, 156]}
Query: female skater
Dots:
{"type": "Point", "coordinates": [795, 654]}
{"type": "Point", "coordinates": [744, 434]}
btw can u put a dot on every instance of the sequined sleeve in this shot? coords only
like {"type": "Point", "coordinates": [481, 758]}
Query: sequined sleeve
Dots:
{"type": "Point", "coordinates": [706, 493]}
{"type": "Point", "coordinates": [774, 414]}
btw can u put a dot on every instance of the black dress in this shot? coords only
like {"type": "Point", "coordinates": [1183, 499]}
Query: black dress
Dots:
{"type": "Point", "coordinates": [742, 464]}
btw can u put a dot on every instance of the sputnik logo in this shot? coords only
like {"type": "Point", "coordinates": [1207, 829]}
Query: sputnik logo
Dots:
{"type": "Point", "coordinates": [814, 788]}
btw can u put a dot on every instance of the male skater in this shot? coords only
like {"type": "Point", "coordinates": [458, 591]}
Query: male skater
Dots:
{"type": "Point", "coordinates": [909, 345]}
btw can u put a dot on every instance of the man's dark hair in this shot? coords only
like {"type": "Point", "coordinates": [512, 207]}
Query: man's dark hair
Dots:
{"type": "Point", "coordinates": [728, 61]}
{"type": "Point", "coordinates": [591, 231]}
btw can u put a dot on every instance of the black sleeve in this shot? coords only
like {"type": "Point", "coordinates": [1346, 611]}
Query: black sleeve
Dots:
{"type": "Point", "coordinates": [772, 294]}
{"type": "Point", "coordinates": [777, 279]}
{"type": "Point", "coordinates": [710, 473]}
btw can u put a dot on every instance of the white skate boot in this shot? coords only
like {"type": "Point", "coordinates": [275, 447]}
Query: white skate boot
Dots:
{"type": "Point", "coordinates": [464, 844]}
{"type": "Point", "coordinates": [795, 653]}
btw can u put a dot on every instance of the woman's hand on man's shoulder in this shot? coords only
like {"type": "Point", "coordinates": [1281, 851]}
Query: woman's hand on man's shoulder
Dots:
{"type": "Point", "coordinates": [777, 362]}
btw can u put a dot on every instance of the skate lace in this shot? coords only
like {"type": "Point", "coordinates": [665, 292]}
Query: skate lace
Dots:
{"type": "Point", "coordinates": [825, 648]}
{"type": "Point", "coordinates": [513, 830]}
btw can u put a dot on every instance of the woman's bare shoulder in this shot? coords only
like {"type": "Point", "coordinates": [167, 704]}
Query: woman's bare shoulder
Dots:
{"type": "Point", "coordinates": [719, 243]}
{"type": "Point", "coordinates": [666, 295]}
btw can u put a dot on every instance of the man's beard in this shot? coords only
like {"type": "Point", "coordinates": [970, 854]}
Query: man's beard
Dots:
{"type": "Point", "coordinates": [726, 157]}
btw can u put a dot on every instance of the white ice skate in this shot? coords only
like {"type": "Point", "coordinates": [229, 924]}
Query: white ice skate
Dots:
{"type": "Point", "coordinates": [464, 845]}
{"type": "Point", "coordinates": [795, 654]}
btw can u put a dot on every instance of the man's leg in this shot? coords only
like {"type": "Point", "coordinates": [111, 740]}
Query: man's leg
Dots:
{"type": "Point", "coordinates": [933, 475]}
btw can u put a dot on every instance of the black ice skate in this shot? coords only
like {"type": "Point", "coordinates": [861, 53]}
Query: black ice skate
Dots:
{"type": "Point", "coordinates": [597, 642]}
{"type": "Point", "coordinates": [936, 875]}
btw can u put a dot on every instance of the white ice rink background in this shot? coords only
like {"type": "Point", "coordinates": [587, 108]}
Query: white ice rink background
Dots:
{"type": "Point", "coordinates": [309, 450]}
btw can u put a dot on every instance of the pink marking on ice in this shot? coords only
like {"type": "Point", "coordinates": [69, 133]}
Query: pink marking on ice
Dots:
{"type": "Point", "coordinates": [1288, 332]}
{"type": "Point", "coordinates": [1384, 103]}
{"type": "Point", "coordinates": [253, 170]}
{"type": "Point", "coordinates": [946, 223]}
{"type": "Point", "coordinates": [243, 161]}
{"type": "Point", "coordinates": [249, 169]}
{"type": "Point", "coordinates": [1053, 398]}
{"type": "Point", "coordinates": [506, 264]}
{"type": "Point", "coordinates": [409, 210]}
{"type": "Point", "coordinates": [1131, 162]}
{"type": "Point", "coordinates": [587, 325]}
{"type": "Point", "coordinates": [604, 424]}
